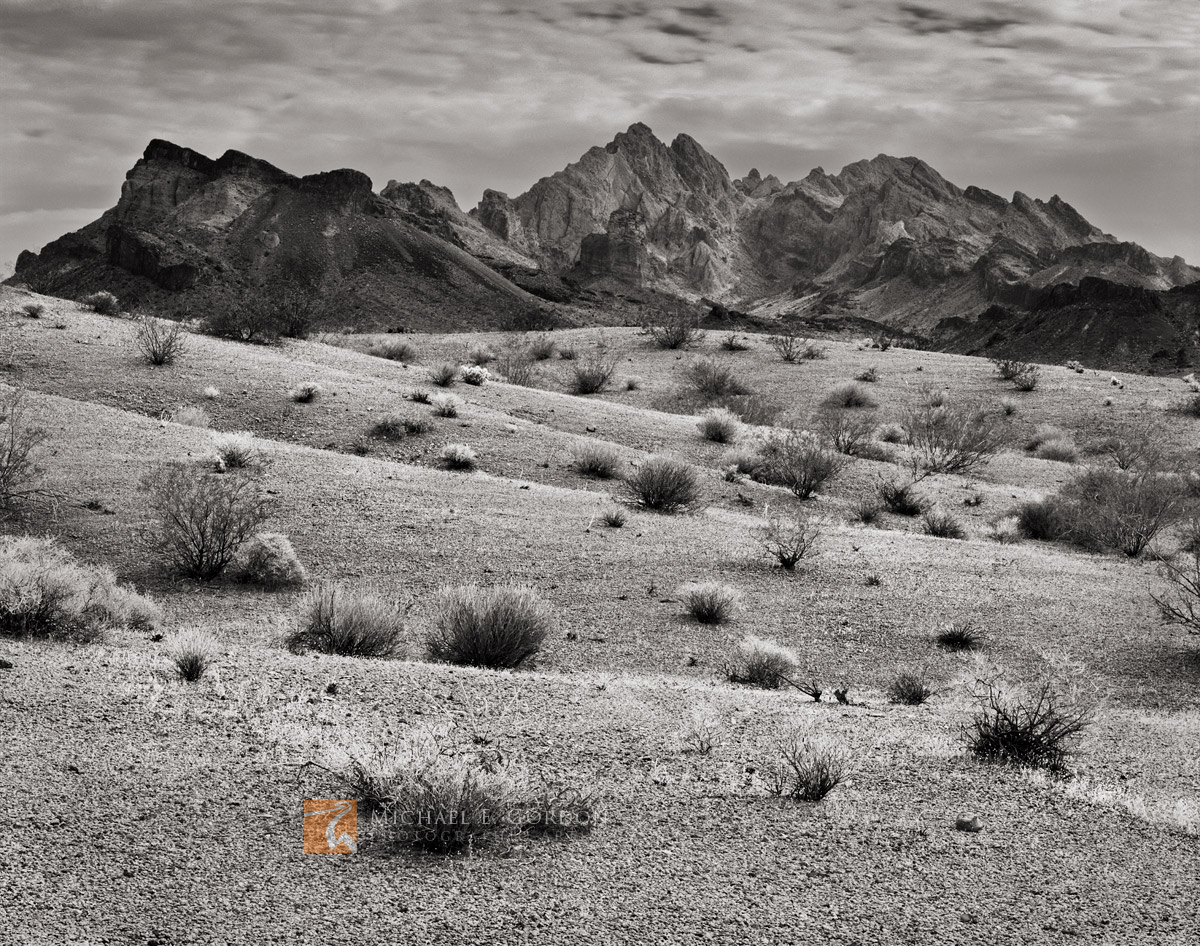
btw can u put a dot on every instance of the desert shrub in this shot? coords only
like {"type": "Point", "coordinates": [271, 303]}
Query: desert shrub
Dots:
{"type": "Point", "coordinates": [399, 426]}
{"type": "Point", "coordinates": [1061, 451]}
{"type": "Point", "coordinates": [480, 355]}
{"type": "Point", "coordinates": [664, 485]}
{"type": "Point", "coordinates": [813, 352]}
{"type": "Point", "coordinates": [753, 409]}
{"type": "Point", "coordinates": [849, 395]}
{"type": "Point", "coordinates": [910, 689]}
{"type": "Point", "coordinates": [420, 396]}
{"type": "Point", "coordinates": [541, 348]}
{"type": "Point", "coordinates": [712, 379]}
{"type": "Point", "coordinates": [236, 451]}
{"type": "Point", "coordinates": [1008, 406]}
{"type": "Point", "coordinates": [734, 342]}
{"type": "Point", "coordinates": [847, 432]}
{"type": "Point", "coordinates": [746, 461]}
{"type": "Point", "coordinates": [866, 509]}
{"type": "Point", "coordinates": [892, 433]}
{"type": "Point", "coordinates": [1181, 603]}
{"type": "Point", "coordinates": [160, 341]}
{"type": "Point", "coordinates": [211, 393]}
{"type": "Point", "coordinates": [592, 374]}
{"type": "Point", "coordinates": [1028, 379]}
{"type": "Point", "coordinates": [202, 519]}
{"type": "Point", "coordinates": [1009, 368]}
{"type": "Point", "coordinates": [1005, 530]}
{"type": "Point", "coordinates": [1044, 433]}
{"type": "Point", "coordinates": [807, 768]}
{"type": "Point", "coordinates": [632, 384]}
{"type": "Point", "coordinates": [336, 620]}
{"type": "Point", "coordinates": [474, 375]}
{"type": "Point", "coordinates": [20, 443]}
{"type": "Point", "coordinates": [33, 310]}
{"type": "Point", "coordinates": [517, 367]}
{"type": "Point", "coordinates": [941, 524]}
{"type": "Point", "coordinates": [268, 559]}
{"type": "Point", "coordinates": [595, 459]}
{"type": "Point", "coordinates": [960, 635]}
{"type": "Point", "coordinates": [500, 628]}
{"type": "Point", "coordinates": [1075, 366]}
{"type": "Point", "coordinates": [900, 497]}
{"type": "Point", "coordinates": [1122, 510]}
{"type": "Point", "coordinates": [934, 398]}
{"type": "Point", "coordinates": [710, 602]}
{"type": "Point", "coordinates": [191, 416]}
{"type": "Point", "coordinates": [445, 404]}
{"type": "Point", "coordinates": [103, 303]}
{"type": "Point", "coordinates": [675, 331]}
{"type": "Point", "coordinates": [1033, 727]}
{"type": "Point", "coordinates": [46, 593]}
{"type": "Point", "coordinates": [788, 345]}
{"type": "Point", "coordinates": [1189, 406]}
{"type": "Point", "coordinates": [953, 438]}
{"type": "Point", "coordinates": [306, 392]}
{"type": "Point", "coordinates": [567, 353]}
{"type": "Point", "coordinates": [703, 732]}
{"type": "Point", "coordinates": [457, 456]}
{"type": "Point", "coordinates": [444, 375]}
{"type": "Point", "coordinates": [614, 517]}
{"type": "Point", "coordinates": [719, 424]}
{"type": "Point", "coordinates": [868, 375]}
{"type": "Point", "coordinates": [191, 651]}
{"type": "Point", "coordinates": [798, 461]}
{"type": "Point", "coordinates": [788, 539]}
{"type": "Point", "coordinates": [760, 663]}
{"type": "Point", "coordinates": [394, 349]}
{"type": "Point", "coordinates": [1046, 520]}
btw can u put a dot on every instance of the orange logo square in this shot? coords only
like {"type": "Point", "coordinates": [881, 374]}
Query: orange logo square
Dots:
{"type": "Point", "coordinates": [330, 827]}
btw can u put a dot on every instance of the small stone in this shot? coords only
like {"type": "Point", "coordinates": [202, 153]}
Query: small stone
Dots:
{"type": "Point", "coordinates": [969, 823]}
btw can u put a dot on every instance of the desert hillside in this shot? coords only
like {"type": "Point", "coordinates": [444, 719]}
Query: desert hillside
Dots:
{"type": "Point", "coordinates": [160, 810]}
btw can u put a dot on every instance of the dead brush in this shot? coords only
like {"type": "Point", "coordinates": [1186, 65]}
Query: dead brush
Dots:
{"type": "Point", "coordinates": [807, 768]}
{"type": "Point", "coordinates": [1032, 727]}
{"type": "Point", "coordinates": [788, 539]}
{"type": "Point", "coordinates": [960, 635]}
{"type": "Point", "coordinates": [910, 688]}
{"type": "Point", "coordinates": [191, 652]}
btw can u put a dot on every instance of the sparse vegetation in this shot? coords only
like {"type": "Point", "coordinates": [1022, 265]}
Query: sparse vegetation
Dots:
{"type": "Point", "coordinates": [596, 459]}
{"type": "Point", "coordinates": [807, 768]}
{"type": "Point", "coordinates": [593, 374]}
{"type": "Point", "coordinates": [953, 438]}
{"type": "Point", "coordinates": [306, 392]}
{"type": "Point", "coordinates": [394, 349]}
{"type": "Point", "coordinates": [267, 559]}
{"type": "Point", "coordinates": [191, 652]}
{"type": "Point", "coordinates": [337, 620]}
{"type": "Point", "coordinates": [910, 688]}
{"type": "Point", "coordinates": [798, 461]}
{"type": "Point", "coordinates": [500, 628]}
{"type": "Point", "coordinates": [161, 342]}
{"type": "Point", "coordinates": [942, 524]}
{"type": "Point", "coordinates": [102, 303]}
{"type": "Point", "coordinates": [788, 539]}
{"type": "Point", "coordinates": [236, 451]}
{"type": "Point", "coordinates": [202, 518]}
{"type": "Point", "coordinates": [1181, 603]}
{"type": "Point", "coordinates": [1028, 379]}
{"type": "Point", "coordinates": [1008, 369]}
{"type": "Point", "coordinates": [444, 375]}
{"type": "Point", "coordinates": [849, 395]}
{"type": "Point", "coordinates": [190, 415]}
{"type": "Point", "coordinates": [760, 663]}
{"type": "Point", "coordinates": [848, 432]}
{"type": "Point", "coordinates": [458, 456]}
{"type": "Point", "coordinates": [868, 375]}
{"type": "Point", "coordinates": [866, 510]}
{"type": "Point", "coordinates": [662, 484]}
{"type": "Point", "coordinates": [445, 404]}
{"type": "Point", "coordinates": [713, 379]}
{"type": "Point", "coordinates": [399, 426]}
{"type": "Point", "coordinates": [710, 602]}
{"type": "Point", "coordinates": [1033, 727]}
{"type": "Point", "coordinates": [480, 356]}
{"type": "Point", "coordinates": [20, 444]}
{"type": "Point", "coordinates": [900, 497]}
{"type": "Point", "coordinates": [719, 425]}
{"type": "Point", "coordinates": [735, 342]}
{"type": "Point", "coordinates": [676, 330]}
{"type": "Point", "coordinates": [614, 517]}
{"type": "Point", "coordinates": [541, 348]}
{"type": "Point", "coordinates": [960, 635]}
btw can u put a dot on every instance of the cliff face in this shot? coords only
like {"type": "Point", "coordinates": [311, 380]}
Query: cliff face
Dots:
{"type": "Point", "coordinates": [187, 225]}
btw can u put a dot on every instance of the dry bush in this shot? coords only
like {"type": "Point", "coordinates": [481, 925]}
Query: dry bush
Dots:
{"type": "Point", "coordinates": [868, 375]}
{"type": "Point", "coordinates": [211, 393]}
{"type": "Point", "coordinates": [847, 432]}
{"type": "Point", "coordinates": [45, 593]}
{"type": "Point", "coordinates": [474, 375]}
{"type": "Point", "coordinates": [444, 375]}
{"type": "Point", "coordinates": [33, 310]}
{"type": "Point", "coordinates": [102, 303]}
{"type": "Point", "coordinates": [160, 341]}
{"type": "Point", "coordinates": [662, 484]}
{"type": "Point", "coordinates": [1028, 379]}
{"type": "Point", "coordinates": [268, 559]}
{"type": "Point", "coordinates": [394, 349]}
{"type": "Point", "coordinates": [712, 379]}
{"type": "Point", "coordinates": [788, 539]}
{"type": "Point", "coordinates": [849, 395]}
{"type": "Point", "coordinates": [798, 461]}
{"type": "Point", "coordinates": [400, 426]}
{"type": "Point", "coordinates": [942, 525]}
{"type": "Point", "coordinates": [1181, 604]}
{"type": "Point", "coordinates": [732, 342]}
{"type": "Point", "coordinates": [788, 345]}
{"type": "Point", "coordinates": [1008, 406]}
{"type": "Point", "coordinates": [710, 602]}
{"type": "Point", "coordinates": [306, 392]}
{"type": "Point", "coordinates": [1030, 727]}
{"type": "Point", "coordinates": [676, 331]}
{"type": "Point", "coordinates": [719, 424]}
{"type": "Point", "coordinates": [892, 433]}
{"type": "Point", "coordinates": [953, 438]}
{"type": "Point", "coordinates": [900, 497]}
{"type": "Point", "coordinates": [1061, 451]}
{"type": "Point", "coordinates": [910, 688]}
{"type": "Point", "coordinates": [236, 451]}
{"type": "Point", "coordinates": [541, 348]}
{"type": "Point", "coordinates": [960, 635]}
{"type": "Point", "coordinates": [865, 510]}
{"type": "Point", "coordinates": [598, 460]}
{"type": "Point", "coordinates": [190, 415]}
{"type": "Point", "coordinates": [592, 374]}
{"type": "Point", "coordinates": [1006, 530]}
{"type": "Point", "coordinates": [1043, 434]}
{"type": "Point", "coordinates": [202, 518]}
{"type": "Point", "coordinates": [1122, 510]}
{"type": "Point", "coordinates": [745, 461]}
{"type": "Point", "coordinates": [500, 628]}
{"type": "Point", "coordinates": [480, 355]}
{"type": "Point", "coordinates": [614, 517]}
{"type": "Point", "coordinates": [1009, 368]}
{"type": "Point", "coordinates": [445, 404]}
{"type": "Point", "coordinates": [20, 443]}
{"type": "Point", "coordinates": [760, 663]}
{"type": "Point", "coordinates": [191, 652]}
{"type": "Point", "coordinates": [517, 367]}
{"type": "Point", "coordinates": [457, 456]}
{"type": "Point", "coordinates": [336, 620]}
{"type": "Point", "coordinates": [807, 768]}
{"type": "Point", "coordinates": [931, 398]}
{"type": "Point", "coordinates": [703, 732]}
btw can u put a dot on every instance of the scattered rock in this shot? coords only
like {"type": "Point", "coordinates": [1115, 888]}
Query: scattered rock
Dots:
{"type": "Point", "coordinates": [969, 823]}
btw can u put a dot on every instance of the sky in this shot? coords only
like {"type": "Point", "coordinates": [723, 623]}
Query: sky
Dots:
{"type": "Point", "coordinates": [1097, 101]}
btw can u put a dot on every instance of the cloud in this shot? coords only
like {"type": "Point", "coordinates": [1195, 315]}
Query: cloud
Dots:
{"type": "Point", "coordinates": [1005, 94]}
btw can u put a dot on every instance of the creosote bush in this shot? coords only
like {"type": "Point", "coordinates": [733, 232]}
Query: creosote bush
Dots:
{"type": "Point", "coordinates": [46, 593]}
{"type": "Point", "coordinates": [593, 374]}
{"type": "Point", "coordinates": [662, 484]}
{"type": "Point", "coordinates": [202, 518]}
{"type": "Point", "coordinates": [598, 460]}
{"type": "Point", "coordinates": [760, 663]}
{"type": "Point", "coordinates": [337, 620]}
{"type": "Point", "coordinates": [1009, 368]}
{"type": "Point", "coordinates": [20, 443]}
{"type": "Point", "coordinates": [848, 432]}
{"type": "Point", "coordinates": [953, 438]}
{"type": "Point", "coordinates": [710, 602]}
{"type": "Point", "coordinates": [160, 341]}
{"type": "Point", "coordinates": [306, 392]}
{"type": "Point", "coordinates": [191, 652]}
{"type": "Point", "coordinates": [500, 628]}
{"type": "Point", "coordinates": [807, 768]}
{"type": "Point", "coordinates": [712, 379]}
{"type": "Point", "coordinates": [797, 460]}
{"type": "Point", "coordinates": [676, 331]}
{"type": "Point", "coordinates": [1181, 603]}
{"type": "Point", "coordinates": [719, 425]}
{"type": "Point", "coordinates": [1032, 727]}
{"type": "Point", "coordinates": [268, 559]}
{"type": "Point", "coordinates": [788, 539]}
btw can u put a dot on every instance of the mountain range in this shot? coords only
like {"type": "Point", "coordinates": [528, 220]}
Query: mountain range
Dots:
{"type": "Point", "coordinates": [885, 244]}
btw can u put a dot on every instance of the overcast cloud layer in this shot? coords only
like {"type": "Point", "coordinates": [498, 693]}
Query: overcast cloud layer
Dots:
{"type": "Point", "coordinates": [1095, 100]}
